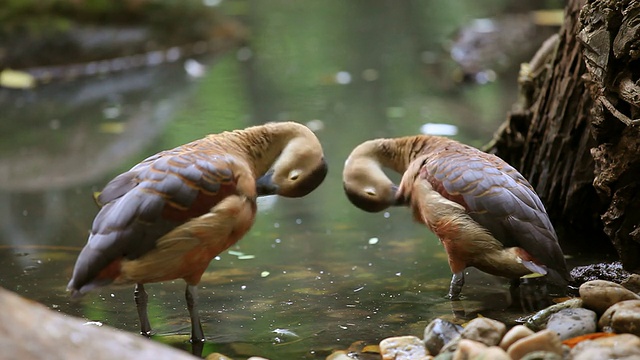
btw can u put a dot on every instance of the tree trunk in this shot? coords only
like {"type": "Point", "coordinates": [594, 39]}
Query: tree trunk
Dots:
{"type": "Point", "coordinates": [572, 134]}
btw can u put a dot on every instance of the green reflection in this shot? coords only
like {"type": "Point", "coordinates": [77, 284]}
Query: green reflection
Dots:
{"type": "Point", "coordinates": [219, 104]}
{"type": "Point", "coordinates": [357, 66]}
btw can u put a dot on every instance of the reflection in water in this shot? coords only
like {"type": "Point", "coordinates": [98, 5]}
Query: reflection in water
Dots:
{"type": "Point", "coordinates": [309, 266]}
{"type": "Point", "coordinates": [66, 134]}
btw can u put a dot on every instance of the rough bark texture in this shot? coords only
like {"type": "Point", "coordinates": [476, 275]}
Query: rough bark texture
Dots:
{"type": "Point", "coordinates": [610, 34]}
{"type": "Point", "coordinates": [573, 135]}
{"type": "Point", "coordinates": [547, 136]}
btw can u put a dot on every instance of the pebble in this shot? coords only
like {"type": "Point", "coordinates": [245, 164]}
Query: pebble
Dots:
{"type": "Point", "coordinates": [494, 353]}
{"type": "Point", "coordinates": [619, 347]}
{"type": "Point", "coordinates": [484, 330]}
{"type": "Point", "coordinates": [444, 356]}
{"type": "Point", "coordinates": [516, 333]}
{"type": "Point", "coordinates": [598, 295]}
{"type": "Point", "coordinates": [217, 356]}
{"type": "Point", "coordinates": [545, 340]}
{"type": "Point", "coordinates": [438, 333]}
{"type": "Point", "coordinates": [623, 317]}
{"type": "Point", "coordinates": [542, 355]}
{"type": "Point", "coordinates": [403, 348]}
{"type": "Point", "coordinates": [569, 323]}
{"type": "Point", "coordinates": [470, 349]}
{"type": "Point", "coordinates": [632, 283]}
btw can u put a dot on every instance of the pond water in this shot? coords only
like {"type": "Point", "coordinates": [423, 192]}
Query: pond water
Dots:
{"type": "Point", "coordinates": [314, 274]}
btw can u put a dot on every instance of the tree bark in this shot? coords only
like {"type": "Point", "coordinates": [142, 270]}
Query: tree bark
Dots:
{"type": "Point", "coordinates": [573, 133]}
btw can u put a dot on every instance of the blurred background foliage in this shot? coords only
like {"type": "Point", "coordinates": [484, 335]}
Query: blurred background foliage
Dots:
{"type": "Point", "coordinates": [50, 32]}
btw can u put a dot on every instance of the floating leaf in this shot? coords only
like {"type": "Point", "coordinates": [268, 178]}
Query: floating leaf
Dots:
{"type": "Point", "coordinates": [371, 349]}
{"type": "Point", "coordinates": [112, 127]}
{"type": "Point", "coordinates": [284, 332]}
{"type": "Point", "coordinates": [16, 79]}
{"type": "Point", "coordinates": [578, 339]}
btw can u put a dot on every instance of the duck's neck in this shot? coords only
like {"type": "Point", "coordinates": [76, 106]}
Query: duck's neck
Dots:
{"type": "Point", "coordinates": [264, 144]}
{"type": "Point", "coordinates": [398, 153]}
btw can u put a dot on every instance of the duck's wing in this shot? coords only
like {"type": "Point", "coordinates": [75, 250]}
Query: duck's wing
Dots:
{"type": "Point", "coordinates": [148, 201]}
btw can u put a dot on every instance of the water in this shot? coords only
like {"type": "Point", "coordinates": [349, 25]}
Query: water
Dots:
{"type": "Point", "coordinates": [313, 274]}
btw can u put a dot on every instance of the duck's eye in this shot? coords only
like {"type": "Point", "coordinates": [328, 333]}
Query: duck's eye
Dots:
{"type": "Point", "coordinates": [294, 175]}
{"type": "Point", "coordinates": [370, 191]}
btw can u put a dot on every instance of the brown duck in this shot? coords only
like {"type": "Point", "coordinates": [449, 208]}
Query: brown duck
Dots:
{"type": "Point", "coordinates": [483, 210]}
{"type": "Point", "coordinates": [171, 214]}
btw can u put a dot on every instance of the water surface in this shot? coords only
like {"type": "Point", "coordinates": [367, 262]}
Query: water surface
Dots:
{"type": "Point", "coordinates": [314, 274]}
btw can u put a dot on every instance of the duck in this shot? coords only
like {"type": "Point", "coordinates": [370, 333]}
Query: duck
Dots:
{"type": "Point", "coordinates": [168, 216]}
{"type": "Point", "coordinates": [485, 213]}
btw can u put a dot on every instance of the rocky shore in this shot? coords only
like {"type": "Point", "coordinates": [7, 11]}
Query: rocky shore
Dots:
{"type": "Point", "coordinates": [603, 323]}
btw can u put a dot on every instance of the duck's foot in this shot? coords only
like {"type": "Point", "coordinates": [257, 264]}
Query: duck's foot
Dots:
{"type": "Point", "coordinates": [455, 288]}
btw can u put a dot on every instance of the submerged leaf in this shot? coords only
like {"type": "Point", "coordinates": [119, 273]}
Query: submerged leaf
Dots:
{"type": "Point", "coordinates": [112, 127]}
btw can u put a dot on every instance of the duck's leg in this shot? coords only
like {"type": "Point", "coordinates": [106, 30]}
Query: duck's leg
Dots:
{"type": "Point", "coordinates": [533, 293]}
{"type": "Point", "coordinates": [197, 335]}
{"type": "Point", "coordinates": [457, 281]}
{"type": "Point", "coordinates": [141, 298]}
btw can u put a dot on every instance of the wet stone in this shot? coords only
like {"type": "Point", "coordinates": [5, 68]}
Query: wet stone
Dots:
{"type": "Point", "coordinates": [569, 323]}
{"type": "Point", "coordinates": [545, 340]}
{"type": "Point", "coordinates": [600, 271]}
{"type": "Point", "coordinates": [403, 348]}
{"type": "Point", "coordinates": [484, 330]}
{"type": "Point", "coordinates": [516, 333]}
{"type": "Point", "coordinates": [598, 295]}
{"type": "Point", "coordinates": [217, 356]}
{"type": "Point", "coordinates": [36, 332]}
{"type": "Point", "coordinates": [620, 347]}
{"type": "Point", "coordinates": [542, 355]}
{"type": "Point", "coordinates": [438, 333]}
{"type": "Point", "coordinates": [444, 356]}
{"type": "Point", "coordinates": [538, 321]}
{"type": "Point", "coordinates": [623, 317]}
{"type": "Point", "coordinates": [468, 349]}
{"type": "Point", "coordinates": [632, 283]}
{"type": "Point", "coordinates": [494, 353]}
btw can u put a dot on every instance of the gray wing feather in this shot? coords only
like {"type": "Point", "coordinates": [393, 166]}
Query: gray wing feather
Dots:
{"type": "Point", "coordinates": [500, 199]}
